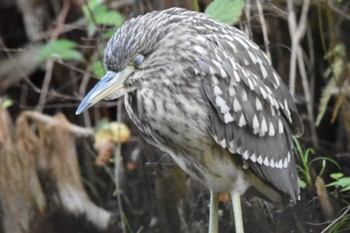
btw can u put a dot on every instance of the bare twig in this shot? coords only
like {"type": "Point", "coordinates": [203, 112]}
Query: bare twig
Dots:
{"type": "Point", "coordinates": [50, 64]}
{"type": "Point", "coordinates": [337, 10]}
{"type": "Point", "coordinates": [82, 88]}
{"type": "Point", "coordinates": [18, 66]}
{"type": "Point", "coordinates": [306, 88]}
{"type": "Point", "coordinates": [264, 29]}
{"type": "Point", "coordinates": [336, 220]}
{"type": "Point", "coordinates": [296, 32]}
{"type": "Point", "coordinates": [41, 118]}
{"type": "Point", "coordinates": [119, 173]}
{"type": "Point", "coordinates": [247, 11]}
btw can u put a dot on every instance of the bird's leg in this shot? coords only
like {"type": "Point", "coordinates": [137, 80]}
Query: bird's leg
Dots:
{"type": "Point", "coordinates": [213, 212]}
{"type": "Point", "coordinates": [237, 212]}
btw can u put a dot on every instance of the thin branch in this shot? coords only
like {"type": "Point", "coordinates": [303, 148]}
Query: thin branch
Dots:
{"type": "Point", "coordinates": [308, 99]}
{"type": "Point", "coordinates": [296, 31]}
{"type": "Point", "coordinates": [264, 29]}
{"type": "Point", "coordinates": [337, 10]}
{"type": "Point", "coordinates": [50, 64]}
{"type": "Point", "coordinates": [42, 118]}
{"type": "Point", "coordinates": [118, 172]}
{"type": "Point", "coordinates": [336, 220]}
{"type": "Point", "coordinates": [246, 25]}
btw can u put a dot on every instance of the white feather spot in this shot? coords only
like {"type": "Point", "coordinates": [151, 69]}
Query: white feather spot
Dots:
{"type": "Point", "coordinates": [200, 50]}
{"type": "Point", "coordinates": [223, 73]}
{"type": "Point", "coordinates": [223, 143]}
{"type": "Point", "coordinates": [228, 118]}
{"type": "Point", "coordinates": [252, 57]}
{"type": "Point", "coordinates": [272, 110]}
{"type": "Point", "coordinates": [288, 157]}
{"type": "Point", "coordinates": [245, 73]}
{"type": "Point", "coordinates": [286, 108]}
{"type": "Point", "coordinates": [242, 122]}
{"type": "Point", "coordinates": [231, 91]}
{"type": "Point", "coordinates": [263, 92]}
{"type": "Point", "coordinates": [281, 105]}
{"type": "Point", "coordinates": [239, 150]}
{"type": "Point", "coordinates": [285, 163]}
{"type": "Point", "coordinates": [268, 90]}
{"type": "Point", "coordinates": [267, 58]}
{"type": "Point", "coordinates": [253, 158]}
{"type": "Point", "coordinates": [216, 63]}
{"type": "Point", "coordinates": [258, 104]}
{"type": "Point", "coordinates": [236, 105]}
{"type": "Point", "coordinates": [242, 42]}
{"type": "Point", "coordinates": [285, 104]}
{"type": "Point", "coordinates": [244, 95]}
{"type": "Point", "coordinates": [266, 161]}
{"type": "Point", "coordinates": [211, 71]}
{"type": "Point", "coordinates": [232, 150]}
{"type": "Point", "coordinates": [221, 103]}
{"type": "Point", "coordinates": [263, 71]}
{"type": "Point", "coordinates": [233, 63]}
{"type": "Point", "coordinates": [271, 99]}
{"type": "Point", "coordinates": [256, 124]}
{"type": "Point", "coordinates": [246, 62]}
{"type": "Point", "coordinates": [196, 71]}
{"type": "Point", "coordinates": [280, 126]}
{"type": "Point", "coordinates": [277, 80]}
{"type": "Point", "coordinates": [260, 159]}
{"type": "Point", "coordinates": [279, 164]}
{"type": "Point", "coordinates": [272, 163]}
{"type": "Point", "coordinates": [263, 128]}
{"type": "Point", "coordinates": [217, 90]}
{"type": "Point", "coordinates": [235, 74]}
{"type": "Point", "coordinates": [271, 129]}
{"type": "Point", "coordinates": [259, 60]}
{"type": "Point", "coordinates": [245, 155]}
{"type": "Point", "coordinates": [215, 80]}
{"type": "Point", "coordinates": [251, 85]}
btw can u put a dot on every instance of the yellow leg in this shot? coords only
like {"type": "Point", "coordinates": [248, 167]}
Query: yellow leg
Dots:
{"type": "Point", "coordinates": [237, 212]}
{"type": "Point", "coordinates": [213, 212]}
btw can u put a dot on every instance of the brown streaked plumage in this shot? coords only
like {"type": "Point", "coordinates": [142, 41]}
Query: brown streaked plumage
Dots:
{"type": "Point", "coordinates": [201, 91]}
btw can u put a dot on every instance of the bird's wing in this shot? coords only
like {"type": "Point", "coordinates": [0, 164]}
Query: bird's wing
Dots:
{"type": "Point", "coordinates": [251, 111]}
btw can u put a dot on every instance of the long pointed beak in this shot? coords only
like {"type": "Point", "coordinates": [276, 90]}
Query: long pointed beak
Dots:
{"type": "Point", "coordinates": [111, 83]}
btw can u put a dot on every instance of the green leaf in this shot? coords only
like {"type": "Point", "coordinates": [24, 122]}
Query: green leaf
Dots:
{"type": "Point", "coordinates": [226, 11]}
{"type": "Point", "coordinates": [342, 182]}
{"type": "Point", "coordinates": [104, 16]}
{"type": "Point", "coordinates": [97, 68]}
{"type": "Point", "coordinates": [337, 176]}
{"type": "Point", "coordinates": [301, 184]}
{"type": "Point", "coordinates": [108, 34]}
{"type": "Point", "coordinates": [99, 14]}
{"type": "Point", "coordinates": [92, 4]}
{"type": "Point", "coordinates": [6, 103]}
{"type": "Point", "coordinates": [59, 49]}
{"type": "Point", "coordinates": [347, 188]}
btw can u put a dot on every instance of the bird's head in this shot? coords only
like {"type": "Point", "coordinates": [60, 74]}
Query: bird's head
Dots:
{"type": "Point", "coordinates": [144, 51]}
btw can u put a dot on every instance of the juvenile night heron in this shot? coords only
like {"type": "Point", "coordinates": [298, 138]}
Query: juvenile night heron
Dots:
{"type": "Point", "coordinates": [201, 91]}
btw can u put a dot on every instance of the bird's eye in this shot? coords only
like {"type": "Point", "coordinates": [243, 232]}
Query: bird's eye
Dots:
{"type": "Point", "coordinates": [138, 60]}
